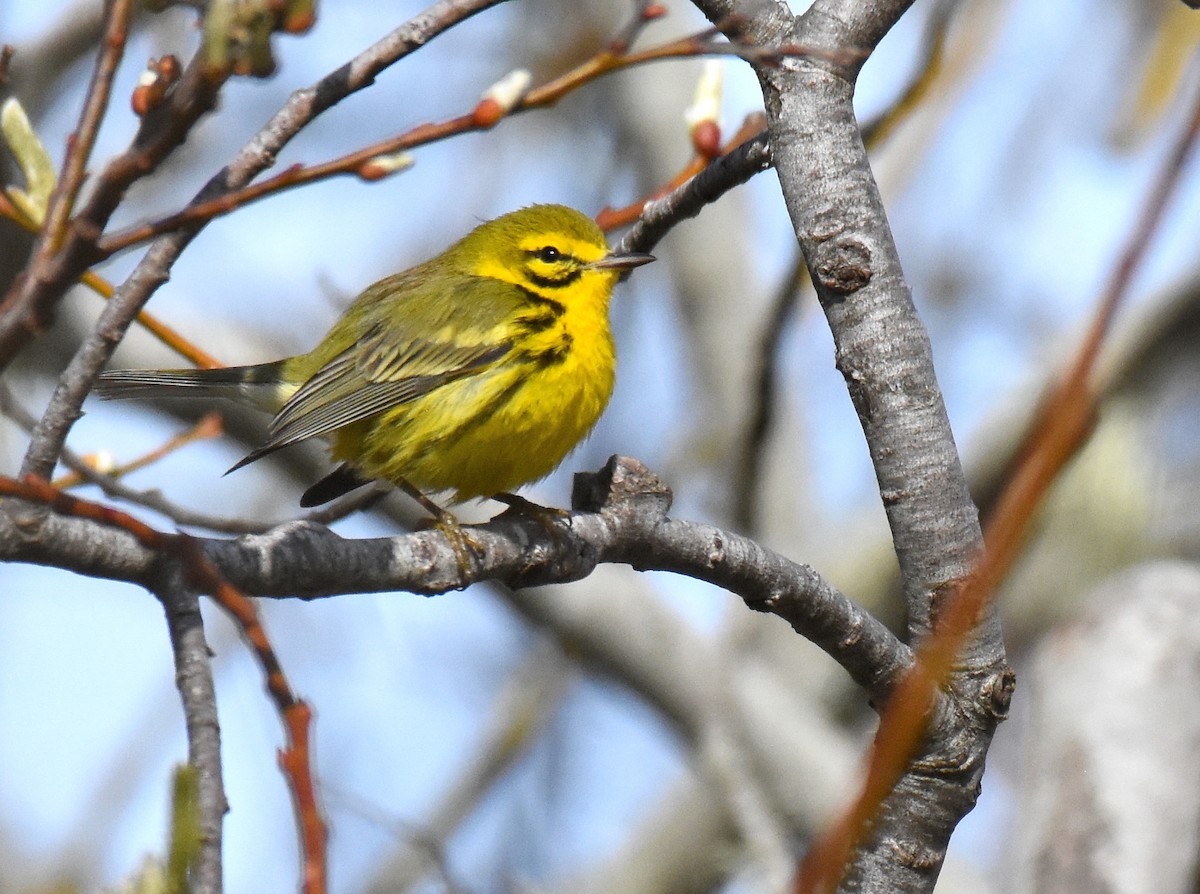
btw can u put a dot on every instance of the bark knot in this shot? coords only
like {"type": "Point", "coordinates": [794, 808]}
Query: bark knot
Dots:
{"type": "Point", "coordinates": [999, 691]}
{"type": "Point", "coordinates": [842, 264]}
{"type": "Point", "coordinates": [917, 856]}
{"type": "Point", "coordinates": [854, 634]}
{"type": "Point", "coordinates": [716, 551]}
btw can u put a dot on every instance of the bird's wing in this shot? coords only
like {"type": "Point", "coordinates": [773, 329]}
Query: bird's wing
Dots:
{"type": "Point", "coordinates": [397, 360]}
{"type": "Point", "coordinates": [344, 391]}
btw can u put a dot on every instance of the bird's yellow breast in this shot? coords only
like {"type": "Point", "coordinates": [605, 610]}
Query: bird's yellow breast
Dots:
{"type": "Point", "coordinates": [512, 423]}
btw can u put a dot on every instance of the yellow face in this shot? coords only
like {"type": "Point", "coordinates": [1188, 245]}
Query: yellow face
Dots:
{"type": "Point", "coordinates": [546, 249]}
{"type": "Point", "coordinates": [555, 260]}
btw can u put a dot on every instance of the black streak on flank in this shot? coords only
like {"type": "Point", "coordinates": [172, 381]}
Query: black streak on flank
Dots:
{"type": "Point", "coordinates": [537, 322]}
{"type": "Point", "coordinates": [555, 354]}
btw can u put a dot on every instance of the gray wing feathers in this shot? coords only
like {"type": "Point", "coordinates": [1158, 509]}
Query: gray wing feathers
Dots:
{"type": "Point", "coordinates": [122, 384]}
{"type": "Point", "coordinates": [361, 382]}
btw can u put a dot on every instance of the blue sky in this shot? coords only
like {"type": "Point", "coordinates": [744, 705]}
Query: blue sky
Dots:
{"type": "Point", "coordinates": [1008, 214]}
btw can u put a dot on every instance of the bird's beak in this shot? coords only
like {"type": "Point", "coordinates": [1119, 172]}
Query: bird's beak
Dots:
{"type": "Point", "coordinates": [621, 261]}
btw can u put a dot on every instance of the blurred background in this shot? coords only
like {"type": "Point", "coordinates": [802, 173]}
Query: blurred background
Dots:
{"type": "Point", "coordinates": [631, 732]}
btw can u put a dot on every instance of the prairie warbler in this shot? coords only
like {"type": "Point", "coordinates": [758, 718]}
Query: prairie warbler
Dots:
{"type": "Point", "coordinates": [474, 372]}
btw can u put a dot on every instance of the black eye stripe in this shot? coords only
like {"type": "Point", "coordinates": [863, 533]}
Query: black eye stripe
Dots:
{"type": "Point", "coordinates": [547, 254]}
{"type": "Point", "coordinates": [562, 268]}
{"type": "Point", "coordinates": [550, 282]}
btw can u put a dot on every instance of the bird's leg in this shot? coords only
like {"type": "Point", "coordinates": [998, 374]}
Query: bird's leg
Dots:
{"type": "Point", "coordinates": [445, 521]}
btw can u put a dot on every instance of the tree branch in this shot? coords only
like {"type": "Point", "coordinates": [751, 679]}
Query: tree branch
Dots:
{"type": "Point", "coordinates": [883, 352]}
{"type": "Point", "coordinates": [194, 680]}
{"type": "Point", "coordinates": [723, 174]}
{"type": "Point", "coordinates": [60, 260]}
{"type": "Point", "coordinates": [487, 114]}
{"type": "Point", "coordinates": [621, 518]}
{"type": "Point", "coordinates": [79, 147]}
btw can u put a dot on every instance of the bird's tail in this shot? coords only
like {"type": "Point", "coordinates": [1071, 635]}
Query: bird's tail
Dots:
{"type": "Point", "coordinates": [261, 385]}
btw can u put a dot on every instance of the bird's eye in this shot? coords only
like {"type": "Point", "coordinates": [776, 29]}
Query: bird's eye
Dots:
{"type": "Point", "coordinates": [548, 254]}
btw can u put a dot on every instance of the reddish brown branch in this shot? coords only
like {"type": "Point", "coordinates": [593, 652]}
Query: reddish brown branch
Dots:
{"type": "Point", "coordinates": [614, 218]}
{"type": "Point", "coordinates": [68, 245]}
{"type": "Point", "coordinates": [484, 117]}
{"type": "Point", "coordinates": [80, 143]}
{"type": "Point", "coordinates": [27, 309]}
{"type": "Point", "coordinates": [39, 490]}
{"type": "Point", "coordinates": [209, 426]}
{"type": "Point", "coordinates": [1061, 431]}
{"type": "Point", "coordinates": [713, 181]}
{"type": "Point", "coordinates": [170, 337]}
{"type": "Point", "coordinates": [644, 12]}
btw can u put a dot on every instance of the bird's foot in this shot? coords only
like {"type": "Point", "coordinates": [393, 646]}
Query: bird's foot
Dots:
{"type": "Point", "coordinates": [465, 547]}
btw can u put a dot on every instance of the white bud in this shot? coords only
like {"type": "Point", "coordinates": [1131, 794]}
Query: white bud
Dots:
{"type": "Point", "coordinates": [706, 103]}
{"type": "Point", "coordinates": [509, 90]}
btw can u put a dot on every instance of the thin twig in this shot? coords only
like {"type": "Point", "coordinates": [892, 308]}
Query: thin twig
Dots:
{"type": "Point", "coordinates": [79, 146]}
{"type": "Point", "coordinates": [612, 218]}
{"type": "Point", "coordinates": [168, 336]}
{"type": "Point", "coordinates": [659, 216]}
{"type": "Point", "coordinates": [29, 306]}
{"type": "Point", "coordinates": [356, 162]}
{"type": "Point", "coordinates": [39, 64]}
{"type": "Point", "coordinates": [749, 468]}
{"type": "Point", "coordinates": [154, 500]}
{"type": "Point", "coordinates": [644, 12]}
{"type": "Point", "coordinates": [933, 49]}
{"type": "Point", "coordinates": [208, 426]}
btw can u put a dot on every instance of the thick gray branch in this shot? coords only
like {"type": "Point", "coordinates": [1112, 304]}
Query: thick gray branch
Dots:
{"type": "Point", "coordinates": [622, 517]}
{"type": "Point", "coordinates": [883, 352]}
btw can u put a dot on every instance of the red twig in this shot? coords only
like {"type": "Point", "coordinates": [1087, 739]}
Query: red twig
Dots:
{"type": "Point", "coordinates": [644, 12]}
{"type": "Point", "coordinates": [209, 426]}
{"type": "Point", "coordinates": [614, 218]}
{"type": "Point", "coordinates": [102, 287]}
{"type": "Point", "coordinates": [483, 117]}
{"type": "Point", "coordinates": [28, 307]}
{"type": "Point", "coordinates": [79, 146]}
{"type": "Point", "coordinates": [296, 758]}
{"type": "Point", "coordinates": [6, 53]}
{"type": "Point", "coordinates": [1064, 424]}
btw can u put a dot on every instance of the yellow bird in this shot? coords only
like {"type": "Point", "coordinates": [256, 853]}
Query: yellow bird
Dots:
{"type": "Point", "coordinates": [475, 372]}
